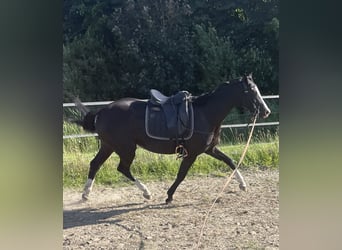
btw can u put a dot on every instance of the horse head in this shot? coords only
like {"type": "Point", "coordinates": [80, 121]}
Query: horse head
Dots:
{"type": "Point", "coordinates": [252, 99]}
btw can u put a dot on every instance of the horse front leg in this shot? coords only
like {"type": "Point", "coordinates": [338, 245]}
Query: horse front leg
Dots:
{"type": "Point", "coordinates": [217, 154]}
{"type": "Point", "coordinates": [95, 165]}
{"type": "Point", "coordinates": [183, 170]}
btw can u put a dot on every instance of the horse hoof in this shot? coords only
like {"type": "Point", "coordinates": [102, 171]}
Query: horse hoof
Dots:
{"type": "Point", "coordinates": [85, 197]}
{"type": "Point", "coordinates": [147, 196]}
{"type": "Point", "coordinates": [168, 201]}
{"type": "Point", "coordinates": [243, 187]}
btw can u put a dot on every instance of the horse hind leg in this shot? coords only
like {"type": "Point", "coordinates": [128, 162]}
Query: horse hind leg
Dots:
{"type": "Point", "coordinates": [142, 187]}
{"type": "Point", "coordinates": [126, 159]}
{"type": "Point", "coordinates": [95, 165]}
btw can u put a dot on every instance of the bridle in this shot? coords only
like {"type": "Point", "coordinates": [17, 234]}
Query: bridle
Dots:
{"type": "Point", "coordinates": [246, 90]}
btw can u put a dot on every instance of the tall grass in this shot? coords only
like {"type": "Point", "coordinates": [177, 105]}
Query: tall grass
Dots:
{"type": "Point", "coordinates": [78, 152]}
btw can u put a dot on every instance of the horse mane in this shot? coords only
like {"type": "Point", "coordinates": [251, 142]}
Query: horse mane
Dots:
{"type": "Point", "coordinates": [203, 98]}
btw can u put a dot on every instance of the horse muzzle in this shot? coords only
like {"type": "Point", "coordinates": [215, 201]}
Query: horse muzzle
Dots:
{"type": "Point", "coordinates": [265, 113]}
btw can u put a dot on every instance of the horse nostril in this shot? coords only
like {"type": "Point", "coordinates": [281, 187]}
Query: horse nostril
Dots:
{"type": "Point", "coordinates": [267, 113]}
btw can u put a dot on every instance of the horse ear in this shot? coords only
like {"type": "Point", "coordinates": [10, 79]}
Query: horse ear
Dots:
{"type": "Point", "coordinates": [250, 74]}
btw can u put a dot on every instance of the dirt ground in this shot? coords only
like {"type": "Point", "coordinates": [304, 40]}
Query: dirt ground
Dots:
{"type": "Point", "coordinates": [120, 218]}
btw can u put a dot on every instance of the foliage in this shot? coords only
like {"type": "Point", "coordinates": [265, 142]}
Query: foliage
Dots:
{"type": "Point", "coordinates": [122, 48]}
{"type": "Point", "coordinates": [114, 49]}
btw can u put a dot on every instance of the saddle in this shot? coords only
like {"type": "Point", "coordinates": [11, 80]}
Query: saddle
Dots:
{"type": "Point", "coordinates": [169, 117]}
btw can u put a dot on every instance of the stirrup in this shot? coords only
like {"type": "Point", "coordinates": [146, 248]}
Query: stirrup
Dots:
{"type": "Point", "coordinates": [181, 151]}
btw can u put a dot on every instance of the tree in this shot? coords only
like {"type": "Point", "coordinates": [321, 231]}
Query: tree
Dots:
{"type": "Point", "coordinates": [122, 48]}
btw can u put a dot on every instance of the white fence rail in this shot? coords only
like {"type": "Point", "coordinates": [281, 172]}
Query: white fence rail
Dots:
{"type": "Point", "coordinates": [223, 126]}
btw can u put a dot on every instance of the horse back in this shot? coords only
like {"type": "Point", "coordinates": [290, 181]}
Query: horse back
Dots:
{"type": "Point", "coordinates": [121, 116]}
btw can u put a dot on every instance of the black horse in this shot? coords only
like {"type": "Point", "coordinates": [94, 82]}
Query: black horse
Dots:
{"type": "Point", "coordinates": [121, 127]}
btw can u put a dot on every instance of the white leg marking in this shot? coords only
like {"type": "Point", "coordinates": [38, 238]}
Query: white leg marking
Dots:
{"type": "Point", "coordinates": [87, 189]}
{"type": "Point", "coordinates": [142, 187]}
{"type": "Point", "coordinates": [240, 179]}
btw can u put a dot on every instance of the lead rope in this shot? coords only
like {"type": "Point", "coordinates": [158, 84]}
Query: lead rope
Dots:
{"type": "Point", "coordinates": [227, 182]}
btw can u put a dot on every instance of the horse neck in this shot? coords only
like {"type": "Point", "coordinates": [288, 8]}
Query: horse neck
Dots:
{"type": "Point", "coordinates": [221, 103]}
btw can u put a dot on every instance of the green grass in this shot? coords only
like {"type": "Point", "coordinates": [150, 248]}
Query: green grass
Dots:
{"type": "Point", "coordinates": [77, 154]}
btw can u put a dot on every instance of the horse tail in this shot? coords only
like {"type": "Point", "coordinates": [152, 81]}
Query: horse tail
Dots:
{"type": "Point", "coordinates": [88, 121]}
{"type": "Point", "coordinates": [83, 109]}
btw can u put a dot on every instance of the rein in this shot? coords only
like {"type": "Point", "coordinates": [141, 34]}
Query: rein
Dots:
{"type": "Point", "coordinates": [227, 182]}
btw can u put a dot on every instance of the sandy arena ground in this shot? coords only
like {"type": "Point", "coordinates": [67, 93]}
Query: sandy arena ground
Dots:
{"type": "Point", "coordinates": [120, 218]}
